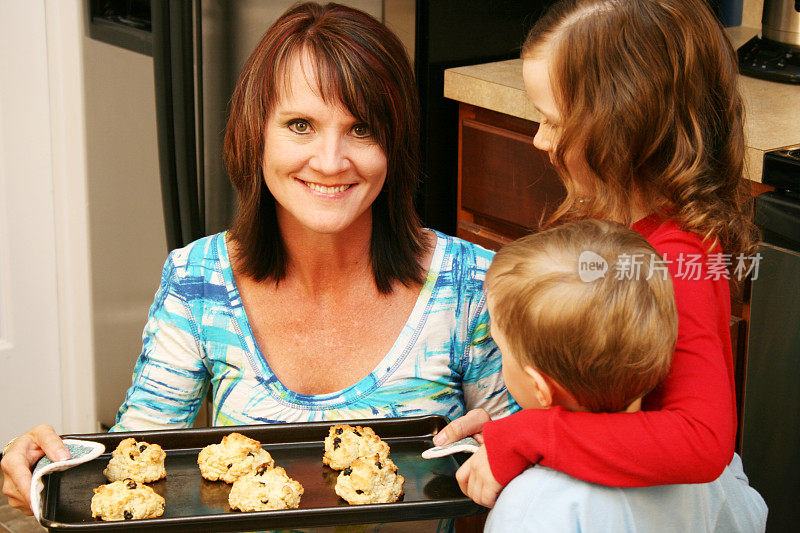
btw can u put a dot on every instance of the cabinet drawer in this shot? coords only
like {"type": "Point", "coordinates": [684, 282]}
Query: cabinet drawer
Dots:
{"type": "Point", "coordinates": [503, 177]}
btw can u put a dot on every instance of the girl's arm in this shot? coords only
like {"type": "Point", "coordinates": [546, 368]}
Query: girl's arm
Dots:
{"type": "Point", "coordinates": [688, 438]}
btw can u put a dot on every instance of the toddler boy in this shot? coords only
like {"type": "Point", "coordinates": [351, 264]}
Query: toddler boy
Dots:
{"type": "Point", "coordinates": [584, 315]}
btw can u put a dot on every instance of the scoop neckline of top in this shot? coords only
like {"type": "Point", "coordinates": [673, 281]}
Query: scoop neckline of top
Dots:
{"type": "Point", "coordinates": [378, 375]}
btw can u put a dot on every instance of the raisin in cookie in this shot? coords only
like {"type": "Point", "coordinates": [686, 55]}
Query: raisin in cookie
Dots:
{"type": "Point", "coordinates": [126, 500]}
{"type": "Point", "coordinates": [370, 480]}
{"type": "Point", "coordinates": [345, 443]}
{"type": "Point", "coordinates": [234, 457]}
{"type": "Point", "coordinates": [136, 460]}
{"type": "Point", "coordinates": [265, 489]}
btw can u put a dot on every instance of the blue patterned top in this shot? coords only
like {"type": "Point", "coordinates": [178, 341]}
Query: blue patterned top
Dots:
{"type": "Point", "coordinates": [197, 334]}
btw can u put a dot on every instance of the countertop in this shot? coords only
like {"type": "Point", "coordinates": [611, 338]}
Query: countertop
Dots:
{"type": "Point", "coordinates": [772, 110]}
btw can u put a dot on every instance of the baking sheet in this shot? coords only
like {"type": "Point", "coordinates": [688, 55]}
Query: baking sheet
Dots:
{"type": "Point", "coordinates": [192, 503]}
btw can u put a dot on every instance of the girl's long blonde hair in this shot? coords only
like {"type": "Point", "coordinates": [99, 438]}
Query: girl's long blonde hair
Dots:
{"type": "Point", "coordinates": [647, 91]}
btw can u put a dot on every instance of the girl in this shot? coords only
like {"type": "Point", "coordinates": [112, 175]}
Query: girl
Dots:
{"type": "Point", "coordinates": [643, 121]}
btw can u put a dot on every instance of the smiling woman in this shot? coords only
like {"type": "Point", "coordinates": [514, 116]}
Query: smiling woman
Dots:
{"type": "Point", "coordinates": [326, 300]}
{"type": "Point", "coordinates": [354, 71]}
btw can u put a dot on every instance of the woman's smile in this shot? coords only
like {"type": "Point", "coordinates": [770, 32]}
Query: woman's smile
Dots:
{"type": "Point", "coordinates": [326, 190]}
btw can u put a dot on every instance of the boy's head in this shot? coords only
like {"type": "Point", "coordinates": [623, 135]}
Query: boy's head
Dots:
{"type": "Point", "coordinates": [584, 315]}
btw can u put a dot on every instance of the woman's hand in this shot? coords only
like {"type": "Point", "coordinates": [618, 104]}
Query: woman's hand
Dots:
{"type": "Point", "coordinates": [19, 459]}
{"type": "Point", "coordinates": [476, 480]}
{"type": "Point", "coordinates": [469, 425]}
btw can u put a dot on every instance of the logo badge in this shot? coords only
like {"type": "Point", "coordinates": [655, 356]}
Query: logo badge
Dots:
{"type": "Point", "coordinates": [591, 266]}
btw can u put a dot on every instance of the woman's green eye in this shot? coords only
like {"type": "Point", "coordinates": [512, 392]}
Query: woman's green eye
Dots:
{"type": "Point", "coordinates": [361, 130]}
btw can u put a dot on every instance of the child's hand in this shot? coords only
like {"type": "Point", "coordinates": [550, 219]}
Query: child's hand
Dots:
{"type": "Point", "coordinates": [476, 480]}
{"type": "Point", "coordinates": [469, 425]}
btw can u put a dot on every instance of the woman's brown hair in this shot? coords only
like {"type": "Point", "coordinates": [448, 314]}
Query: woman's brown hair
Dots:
{"type": "Point", "coordinates": [647, 91]}
{"type": "Point", "coordinates": [362, 65]}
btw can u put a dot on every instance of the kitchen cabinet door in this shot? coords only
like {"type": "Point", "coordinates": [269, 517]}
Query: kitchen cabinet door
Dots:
{"type": "Point", "coordinates": [506, 186]}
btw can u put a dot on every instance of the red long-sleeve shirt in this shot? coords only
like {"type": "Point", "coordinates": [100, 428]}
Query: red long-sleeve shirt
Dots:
{"type": "Point", "coordinates": [686, 430]}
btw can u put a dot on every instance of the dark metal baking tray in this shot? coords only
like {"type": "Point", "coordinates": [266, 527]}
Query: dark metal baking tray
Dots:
{"type": "Point", "coordinates": [194, 504]}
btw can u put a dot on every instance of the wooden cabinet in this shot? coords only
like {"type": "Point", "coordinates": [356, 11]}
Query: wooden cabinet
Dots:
{"type": "Point", "coordinates": [505, 185]}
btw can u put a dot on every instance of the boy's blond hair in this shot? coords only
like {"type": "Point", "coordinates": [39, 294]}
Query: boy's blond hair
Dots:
{"type": "Point", "coordinates": [609, 340]}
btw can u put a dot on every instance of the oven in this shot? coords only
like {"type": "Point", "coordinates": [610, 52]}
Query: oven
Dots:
{"type": "Point", "coordinates": [771, 407]}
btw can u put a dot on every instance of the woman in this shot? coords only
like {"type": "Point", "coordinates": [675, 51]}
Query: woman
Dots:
{"type": "Point", "coordinates": [326, 299]}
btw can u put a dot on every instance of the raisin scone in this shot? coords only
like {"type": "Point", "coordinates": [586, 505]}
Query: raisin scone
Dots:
{"type": "Point", "coordinates": [136, 460]}
{"type": "Point", "coordinates": [232, 458]}
{"type": "Point", "coordinates": [370, 480]}
{"type": "Point", "coordinates": [345, 443]}
{"type": "Point", "coordinates": [126, 500]}
{"type": "Point", "coordinates": [266, 489]}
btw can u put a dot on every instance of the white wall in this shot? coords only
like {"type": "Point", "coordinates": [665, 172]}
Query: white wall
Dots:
{"type": "Point", "coordinates": [751, 13]}
{"type": "Point", "coordinates": [65, 26]}
{"type": "Point", "coordinates": [400, 17]}
{"type": "Point", "coordinates": [126, 221]}
{"type": "Point", "coordinates": [44, 362]}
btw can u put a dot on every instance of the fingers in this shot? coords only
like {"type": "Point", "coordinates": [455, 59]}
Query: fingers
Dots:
{"type": "Point", "coordinates": [462, 476]}
{"type": "Point", "coordinates": [465, 426]}
{"type": "Point", "coordinates": [48, 440]}
{"type": "Point", "coordinates": [21, 456]}
{"type": "Point", "coordinates": [476, 480]}
{"type": "Point", "coordinates": [487, 496]}
{"type": "Point", "coordinates": [17, 471]}
{"type": "Point", "coordinates": [15, 500]}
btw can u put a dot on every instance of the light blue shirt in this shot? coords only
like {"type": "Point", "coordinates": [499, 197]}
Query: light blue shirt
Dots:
{"type": "Point", "coordinates": [542, 499]}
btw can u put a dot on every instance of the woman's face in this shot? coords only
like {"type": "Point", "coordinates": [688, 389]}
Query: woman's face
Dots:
{"type": "Point", "coordinates": [323, 167]}
{"type": "Point", "coordinates": [536, 75]}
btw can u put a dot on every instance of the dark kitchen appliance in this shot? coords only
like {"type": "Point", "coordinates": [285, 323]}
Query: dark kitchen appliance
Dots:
{"type": "Point", "coordinates": [776, 54]}
{"type": "Point", "coordinates": [771, 411]}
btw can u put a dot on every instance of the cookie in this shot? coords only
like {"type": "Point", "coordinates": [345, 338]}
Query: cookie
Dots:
{"type": "Point", "coordinates": [266, 489]}
{"type": "Point", "coordinates": [136, 460]}
{"type": "Point", "coordinates": [345, 443]}
{"type": "Point", "coordinates": [370, 480]}
{"type": "Point", "coordinates": [126, 500]}
{"type": "Point", "coordinates": [234, 457]}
